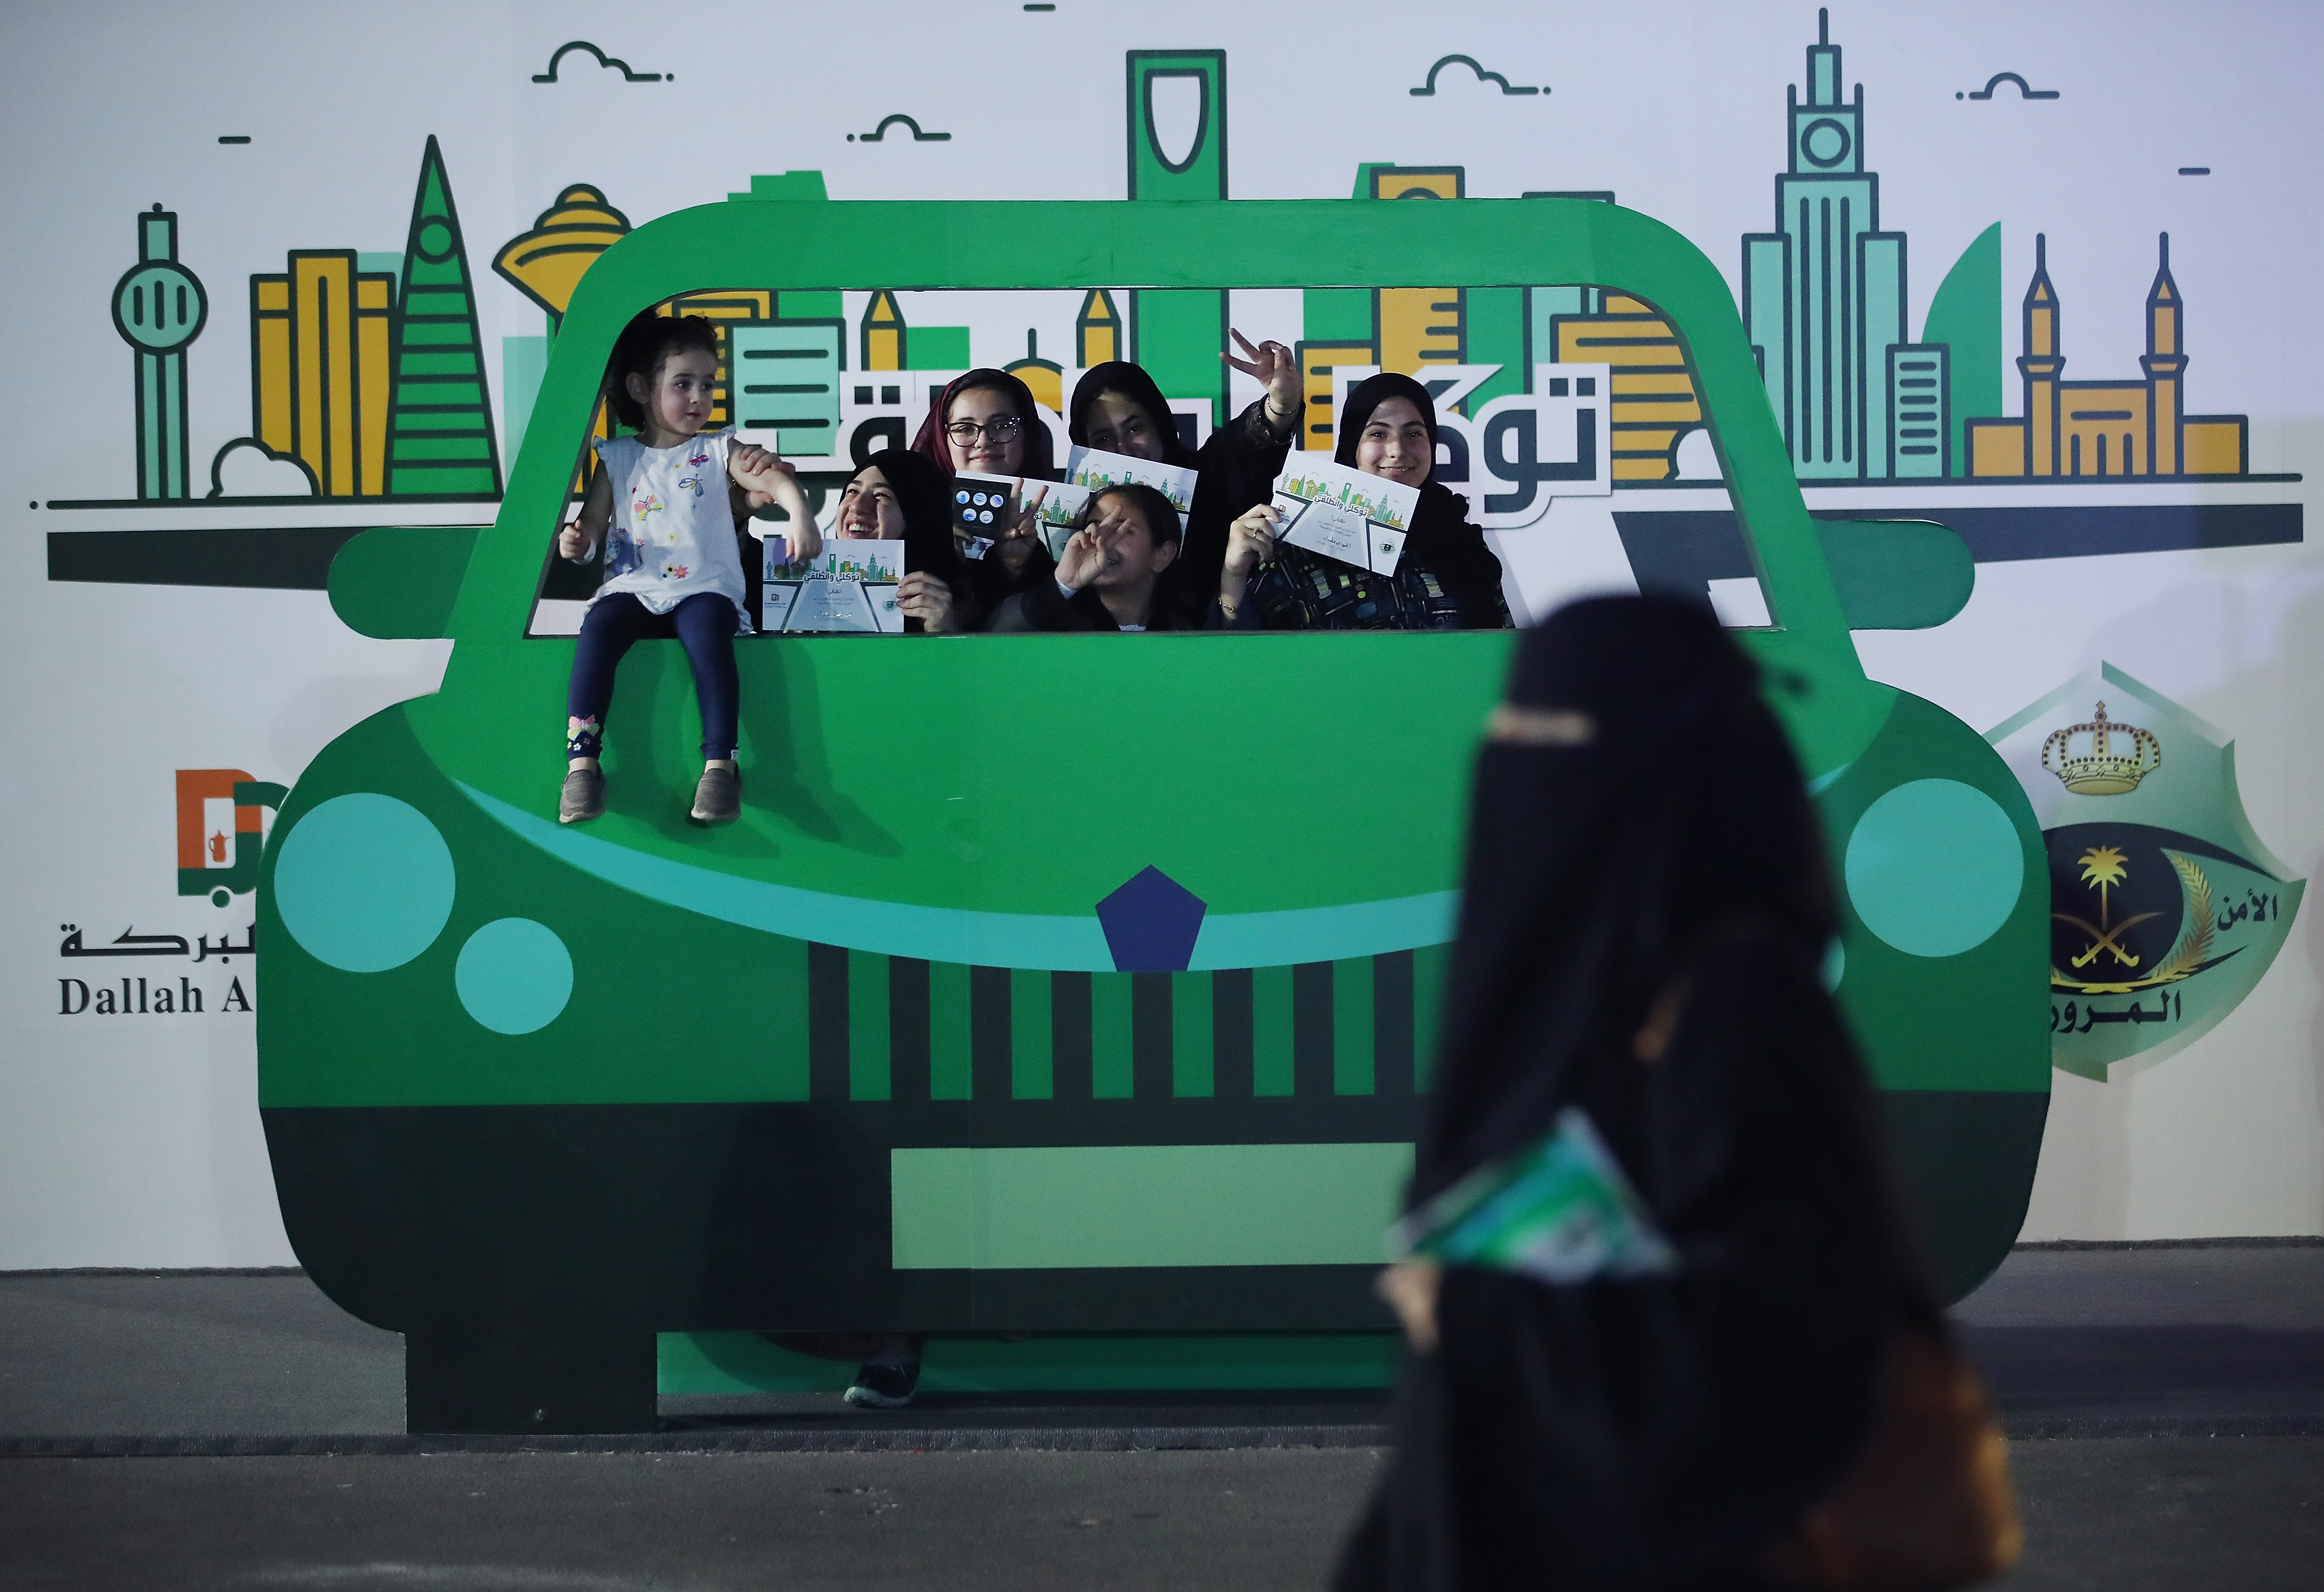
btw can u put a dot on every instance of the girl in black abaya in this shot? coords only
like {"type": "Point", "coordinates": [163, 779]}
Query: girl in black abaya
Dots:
{"type": "Point", "coordinates": [1447, 577]}
{"type": "Point", "coordinates": [1646, 908]}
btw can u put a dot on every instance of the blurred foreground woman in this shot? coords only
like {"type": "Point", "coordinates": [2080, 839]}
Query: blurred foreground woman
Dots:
{"type": "Point", "coordinates": [1670, 1326]}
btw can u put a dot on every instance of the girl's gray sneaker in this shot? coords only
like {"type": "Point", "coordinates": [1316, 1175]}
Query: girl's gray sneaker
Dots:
{"type": "Point", "coordinates": [583, 798]}
{"type": "Point", "coordinates": [719, 799]}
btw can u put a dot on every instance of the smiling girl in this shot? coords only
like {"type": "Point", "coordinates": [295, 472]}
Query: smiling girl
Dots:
{"type": "Point", "coordinates": [1447, 578]}
{"type": "Point", "coordinates": [986, 423]}
{"type": "Point", "coordinates": [899, 496]}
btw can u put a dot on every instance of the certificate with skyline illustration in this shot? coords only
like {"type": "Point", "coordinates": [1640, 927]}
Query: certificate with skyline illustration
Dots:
{"type": "Point", "coordinates": [1342, 513]}
{"type": "Point", "coordinates": [1094, 469]}
{"type": "Point", "coordinates": [849, 587]}
{"type": "Point", "coordinates": [1090, 471]}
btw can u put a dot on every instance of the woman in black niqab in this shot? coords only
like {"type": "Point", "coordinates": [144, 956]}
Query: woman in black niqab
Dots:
{"type": "Point", "coordinates": [1646, 908]}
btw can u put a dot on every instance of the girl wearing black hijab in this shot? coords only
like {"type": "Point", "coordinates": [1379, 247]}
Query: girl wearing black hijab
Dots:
{"type": "Point", "coordinates": [1447, 578]}
{"type": "Point", "coordinates": [900, 496]}
{"type": "Point", "coordinates": [1118, 408]}
{"type": "Point", "coordinates": [987, 423]}
{"type": "Point", "coordinates": [1645, 910]}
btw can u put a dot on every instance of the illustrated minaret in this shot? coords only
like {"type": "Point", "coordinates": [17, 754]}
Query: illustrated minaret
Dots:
{"type": "Point", "coordinates": [1097, 331]}
{"type": "Point", "coordinates": [882, 333]}
{"type": "Point", "coordinates": [2041, 364]}
{"type": "Point", "coordinates": [440, 439]}
{"type": "Point", "coordinates": [1823, 295]}
{"type": "Point", "coordinates": [2164, 363]}
{"type": "Point", "coordinates": [159, 307]}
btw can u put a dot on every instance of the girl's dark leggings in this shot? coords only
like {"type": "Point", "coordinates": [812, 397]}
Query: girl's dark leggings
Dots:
{"type": "Point", "coordinates": [704, 624]}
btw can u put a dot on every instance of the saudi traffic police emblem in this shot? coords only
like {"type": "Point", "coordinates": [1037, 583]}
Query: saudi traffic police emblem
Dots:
{"type": "Point", "coordinates": [2165, 910]}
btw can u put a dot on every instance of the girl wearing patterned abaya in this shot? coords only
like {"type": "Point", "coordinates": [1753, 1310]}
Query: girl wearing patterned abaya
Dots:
{"type": "Point", "coordinates": [1657, 1267]}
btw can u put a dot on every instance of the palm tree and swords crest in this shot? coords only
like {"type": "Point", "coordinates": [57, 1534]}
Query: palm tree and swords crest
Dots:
{"type": "Point", "coordinates": [2105, 866]}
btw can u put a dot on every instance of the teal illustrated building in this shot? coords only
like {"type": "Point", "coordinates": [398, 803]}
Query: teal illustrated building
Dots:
{"type": "Point", "coordinates": [159, 307]}
{"type": "Point", "coordinates": [1823, 302]}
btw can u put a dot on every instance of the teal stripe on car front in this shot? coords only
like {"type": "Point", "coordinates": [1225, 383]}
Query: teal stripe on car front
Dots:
{"type": "Point", "coordinates": [979, 939]}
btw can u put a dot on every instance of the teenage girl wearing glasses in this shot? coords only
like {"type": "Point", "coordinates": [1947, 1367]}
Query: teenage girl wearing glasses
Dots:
{"type": "Point", "coordinates": [986, 422]}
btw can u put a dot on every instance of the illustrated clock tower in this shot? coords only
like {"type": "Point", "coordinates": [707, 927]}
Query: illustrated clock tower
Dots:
{"type": "Point", "coordinates": [1823, 300]}
{"type": "Point", "coordinates": [158, 308]}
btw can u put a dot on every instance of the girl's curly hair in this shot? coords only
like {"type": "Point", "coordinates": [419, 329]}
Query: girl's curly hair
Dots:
{"type": "Point", "coordinates": [648, 340]}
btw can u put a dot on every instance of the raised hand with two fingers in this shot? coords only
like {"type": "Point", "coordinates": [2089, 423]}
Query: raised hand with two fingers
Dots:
{"type": "Point", "coordinates": [1275, 367]}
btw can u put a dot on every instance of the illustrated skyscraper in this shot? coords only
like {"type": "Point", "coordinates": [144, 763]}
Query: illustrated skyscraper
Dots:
{"type": "Point", "coordinates": [1653, 403]}
{"type": "Point", "coordinates": [440, 440]}
{"type": "Point", "coordinates": [158, 308]}
{"type": "Point", "coordinates": [1410, 330]}
{"type": "Point", "coordinates": [1823, 302]}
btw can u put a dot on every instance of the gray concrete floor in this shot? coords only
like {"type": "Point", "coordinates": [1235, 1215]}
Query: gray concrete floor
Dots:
{"type": "Point", "coordinates": [181, 1354]}
{"type": "Point", "coordinates": [2186, 1339]}
{"type": "Point", "coordinates": [2173, 1342]}
{"type": "Point", "coordinates": [2139, 1515]}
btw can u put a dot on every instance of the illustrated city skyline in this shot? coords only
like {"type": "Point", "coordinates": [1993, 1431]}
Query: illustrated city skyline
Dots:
{"type": "Point", "coordinates": [368, 372]}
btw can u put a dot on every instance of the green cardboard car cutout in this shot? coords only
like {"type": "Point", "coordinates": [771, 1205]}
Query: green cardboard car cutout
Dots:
{"type": "Point", "coordinates": [1049, 984]}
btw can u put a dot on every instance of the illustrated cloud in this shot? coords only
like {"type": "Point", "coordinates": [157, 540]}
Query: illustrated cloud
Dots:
{"type": "Point", "coordinates": [1482, 77]}
{"type": "Point", "coordinates": [881, 131]}
{"type": "Point", "coordinates": [614, 61]}
{"type": "Point", "coordinates": [1999, 78]}
{"type": "Point", "coordinates": [248, 468]}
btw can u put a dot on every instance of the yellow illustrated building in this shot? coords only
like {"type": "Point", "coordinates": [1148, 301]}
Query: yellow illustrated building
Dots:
{"type": "Point", "coordinates": [545, 264]}
{"type": "Point", "coordinates": [1652, 398]}
{"type": "Point", "coordinates": [1097, 330]}
{"type": "Point", "coordinates": [2095, 428]}
{"type": "Point", "coordinates": [321, 349]}
{"type": "Point", "coordinates": [1418, 327]}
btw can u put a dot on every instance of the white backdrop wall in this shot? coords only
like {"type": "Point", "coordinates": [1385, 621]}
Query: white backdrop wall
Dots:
{"type": "Point", "coordinates": [133, 1139]}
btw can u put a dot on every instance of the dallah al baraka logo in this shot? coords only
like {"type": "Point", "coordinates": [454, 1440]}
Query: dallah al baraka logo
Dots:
{"type": "Point", "coordinates": [222, 831]}
{"type": "Point", "coordinates": [221, 840]}
{"type": "Point", "coordinates": [2165, 910]}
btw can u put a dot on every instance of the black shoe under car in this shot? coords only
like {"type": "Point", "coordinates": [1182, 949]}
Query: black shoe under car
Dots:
{"type": "Point", "coordinates": [882, 1387]}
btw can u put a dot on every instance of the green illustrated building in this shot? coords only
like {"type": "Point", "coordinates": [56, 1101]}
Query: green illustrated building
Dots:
{"type": "Point", "coordinates": [439, 422]}
{"type": "Point", "coordinates": [159, 308]}
{"type": "Point", "coordinates": [1176, 333]}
